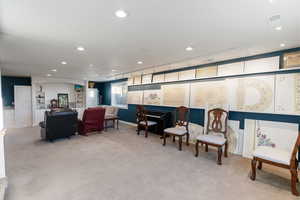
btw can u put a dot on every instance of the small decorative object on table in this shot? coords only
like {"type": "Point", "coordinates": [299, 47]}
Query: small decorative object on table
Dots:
{"type": "Point", "coordinates": [53, 103]}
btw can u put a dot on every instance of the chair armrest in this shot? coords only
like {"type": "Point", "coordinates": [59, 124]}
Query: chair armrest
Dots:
{"type": "Point", "coordinates": [42, 124]}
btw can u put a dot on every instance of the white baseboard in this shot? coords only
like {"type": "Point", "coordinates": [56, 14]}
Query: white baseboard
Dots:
{"type": "Point", "coordinates": [128, 123]}
{"type": "Point", "coordinates": [3, 186]}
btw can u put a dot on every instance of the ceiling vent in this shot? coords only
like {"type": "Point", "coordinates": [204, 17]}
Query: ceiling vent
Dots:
{"type": "Point", "coordinates": [275, 21]}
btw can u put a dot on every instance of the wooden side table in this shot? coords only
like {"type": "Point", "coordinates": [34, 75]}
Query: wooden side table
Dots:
{"type": "Point", "coordinates": [114, 119]}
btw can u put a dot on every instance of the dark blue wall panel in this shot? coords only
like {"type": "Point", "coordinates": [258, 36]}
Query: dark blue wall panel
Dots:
{"type": "Point", "coordinates": [104, 90]}
{"type": "Point", "coordinates": [197, 115]}
{"type": "Point", "coordinates": [8, 83]}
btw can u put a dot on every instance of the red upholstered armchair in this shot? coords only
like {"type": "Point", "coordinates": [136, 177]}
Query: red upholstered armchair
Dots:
{"type": "Point", "coordinates": [92, 120]}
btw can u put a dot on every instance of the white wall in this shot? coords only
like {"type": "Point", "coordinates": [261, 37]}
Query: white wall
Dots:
{"type": "Point", "coordinates": [52, 89]}
{"type": "Point", "coordinates": [2, 161]}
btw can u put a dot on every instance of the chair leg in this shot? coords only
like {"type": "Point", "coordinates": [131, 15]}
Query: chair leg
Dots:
{"type": "Point", "coordinates": [173, 138]}
{"type": "Point", "coordinates": [253, 171]}
{"type": "Point", "coordinates": [294, 175]}
{"type": "Point", "coordinates": [297, 170]}
{"type": "Point", "coordinates": [226, 150]}
{"type": "Point", "coordinates": [164, 139]}
{"type": "Point", "coordinates": [105, 125]}
{"type": "Point", "coordinates": [259, 165]}
{"type": "Point", "coordinates": [146, 131]}
{"type": "Point", "coordinates": [197, 148]}
{"type": "Point", "coordinates": [180, 143]}
{"type": "Point", "coordinates": [220, 155]}
{"type": "Point", "coordinates": [138, 129]}
{"type": "Point", "coordinates": [187, 139]}
{"type": "Point", "coordinates": [206, 147]}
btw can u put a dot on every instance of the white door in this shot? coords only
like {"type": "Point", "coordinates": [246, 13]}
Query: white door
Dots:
{"type": "Point", "coordinates": [23, 109]}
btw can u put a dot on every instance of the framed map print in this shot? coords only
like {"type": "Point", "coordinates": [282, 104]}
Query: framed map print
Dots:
{"type": "Point", "coordinates": [169, 77]}
{"type": "Point", "coordinates": [291, 59]}
{"type": "Point", "coordinates": [137, 80]}
{"type": "Point", "coordinates": [152, 97]}
{"type": "Point", "coordinates": [287, 94]}
{"type": "Point", "coordinates": [262, 65]}
{"type": "Point", "coordinates": [231, 69]}
{"type": "Point", "coordinates": [158, 78]}
{"type": "Point", "coordinates": [187, 74]}
{"type": "Point", "coordinates": [135, 97]}
{"type": "Point", "coordinates": [176, 94]}
{"type": "Point", "coordinates": [147, 79]}
{"type": "Point", "coordinates": [205, 72]}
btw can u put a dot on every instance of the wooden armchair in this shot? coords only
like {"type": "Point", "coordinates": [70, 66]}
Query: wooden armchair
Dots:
{"type": "Point", "coordinates": [142, 121]}
{"type": "Point", "coordinates": [216, 133]}
{"type": "Point", "coordinates": [181, 126]}
{"type": "Point", "coordinates": [279, 158]}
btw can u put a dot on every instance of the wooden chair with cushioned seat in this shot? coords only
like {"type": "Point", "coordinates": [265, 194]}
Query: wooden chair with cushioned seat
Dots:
{"type": "Point", "coordinates": [142, 121]}
{"type": "Point", "coordinates": [111, 115]}
{"type": "Point", "coordinates": [280, 158]}
{"type": "Point", "coordinates": [181, 126]}
{"type": "Point", "coordinates": [216, 133]}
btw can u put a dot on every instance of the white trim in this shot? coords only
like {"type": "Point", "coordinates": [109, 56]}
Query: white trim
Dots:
{"type": "Point", "coordinates": [3, 187]}
{"type": "Point", "coordinates": [3, 132]}
{"type": "Point", "coordinates": [128, 123]}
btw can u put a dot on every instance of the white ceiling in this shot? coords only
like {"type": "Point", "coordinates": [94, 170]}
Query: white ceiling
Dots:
{"type": "Point", "coordinates": [38, 34]}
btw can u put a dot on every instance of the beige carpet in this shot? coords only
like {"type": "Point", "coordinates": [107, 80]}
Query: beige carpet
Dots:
{"type": "Point", "coordinates": [119, 165]}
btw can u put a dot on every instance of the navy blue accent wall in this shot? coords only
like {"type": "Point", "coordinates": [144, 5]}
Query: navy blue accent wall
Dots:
{"type": "Point", "coordinates": [8, 83]}
{"type": "Point", "coordinates": [197, 115]}
{"type": "Point", "coordinates": [241, 116]}
{"type": "Point", "coordinates": [104, 90]}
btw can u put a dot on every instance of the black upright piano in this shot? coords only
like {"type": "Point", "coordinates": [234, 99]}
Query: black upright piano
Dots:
{"type": "Point", "coordinates": [163, 120]}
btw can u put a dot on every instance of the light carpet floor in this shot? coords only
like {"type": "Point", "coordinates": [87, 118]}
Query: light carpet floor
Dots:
{"type": "Point", "coordinates": [120, 165]}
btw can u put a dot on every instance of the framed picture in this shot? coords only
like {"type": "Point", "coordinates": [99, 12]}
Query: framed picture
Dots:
{"type": "Point", "coordinates": [63, 100]}
{"type": "Point", "coordinates": [291, 59]}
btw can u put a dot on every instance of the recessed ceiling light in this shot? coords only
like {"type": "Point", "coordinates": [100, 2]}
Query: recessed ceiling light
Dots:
{"type": "Point", "coordinates": [189, 48]}
{"type": "Point", "coordinates": [278, 28]}
{"type": "Point", "coordinates": [80, 48]}
{"type": "Point", "coordinates": [282, 44]}
{"type": "Point", "coordinates": [49, 75]}
{"type": "Point", "coordinates": [63, 62]}
{"type": "Point", "coordinates": [140, 62]}
{"type": "Point", "coordinates": [54, 70]}
{"type": "Point", "coordinates": [91, 65]}
{"type": "Point", "coordinates": [121, 14]}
